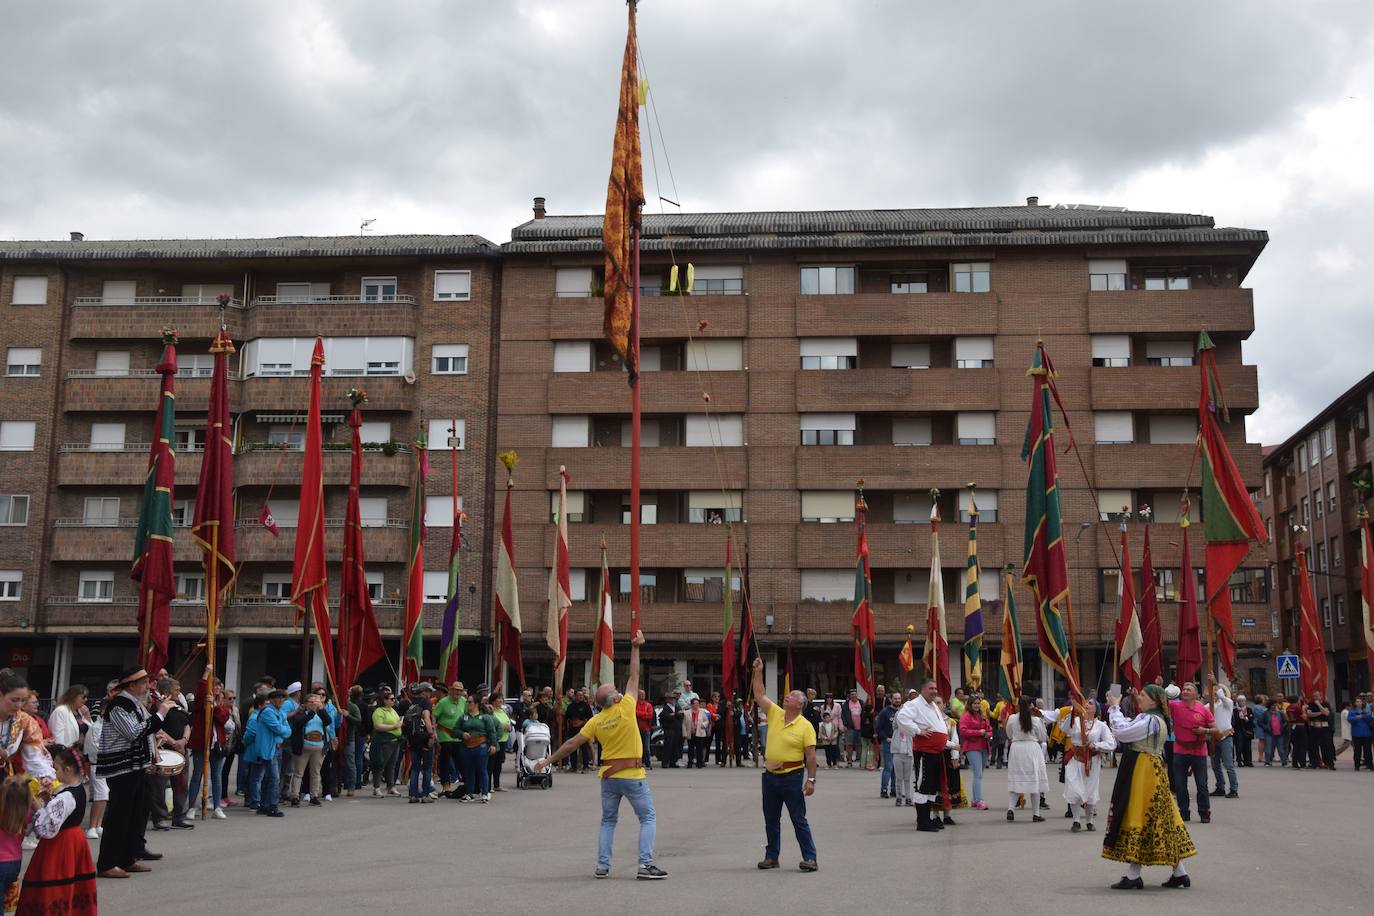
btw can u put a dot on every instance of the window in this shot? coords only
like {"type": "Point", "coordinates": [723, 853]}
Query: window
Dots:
{"type": "Point", "coordinates": [1330, 496]}
{"type": "Point", "coordinates": [452, 285]}
{"type": "Point", "coordinates": [95, 586]}
{"type": "Point", "coordinates": [717, 280]}
{"type": "Point", "coordinates": [650, 359]}
{"type": "Point", "coordinates": [911, 431]}
{"type": "Point", "coordinates": [715, 355]}
{"type": "Point", "coordinates": [972, 278]}
{"type": "Point", "coordinates": [1248, 585]}
{"type": "Point", "coordinates": [372, 511]}
{"type": "Point", "coordinates": [577, 506]}
{"type": "Point", "coordinates": [205, 293]}
{"type": "Point", "coordinates": [1113, 427]}
{"type": "Point", "coordinates": [830, 353]}
{"type": "Point", "coordinates": [1166, 278]}
{"type": "Point", "coordinates": [828, 428]}
{"type": "Point", "coordinates": [302, 292]}
{"type": "Point", "coordinates": [183, 513]}
{"type": "Point", "coordinates": [372, 431]}
{"type": "Point", "coordinates": [1173, 429]}
{"type": "Point", "coordinates": [708, 585]}
{"type": "Point", "coordinates": [1111, 503]}
{"type": "Point", "coordinates": [439, 510]}
{"type": "Point", "coordinates": [376, 586]}
{"type": "Point", "coordinates": [29, 291]}
{"type": "Point", "coordinates": [827, 506]}
{"type": "Point", "coordinates": [118, 292]}
{"type": "Point", "coordinates": [1169, 352]}
{"type": "Point", "coordinates": [286, 512]}
{"type": "Point", "coordinates": [1328, 439]}
{"type": "Point", "coordinates": [1313, 456]}
{"type": "Point", "coordinates": [384, 367]}
{"type": "Point", "coordinates": [1111, 350]}
{"type": "Point", "coordinates": [1302, 455]}
{"type": "Point", "coordinates": [827, 585]}
{"type": "Point", "coordinates": [571, 432]}
{"type": "Point", "coordinates": [287, 436]}
{"type": "Point", "coordinates": [973, 353]}
{"type": "Point", "coordinates": [1326, 613]}
{"type": "Point", "coordinates": [719, 430]}
{"type": "Point", "coordinates": [648, 509]}
{"type": "Point", "coordinates": [17, 435]}
{"type": "Point", "coordinates": [1268, 483]}
{"type": "Point", "coordinates": [1305, 510]}
{"type": "Point", "coordinates": [14, 509]}
{"type": "Point", "coordinates": [976, 428]}
{"type": "Point", "coordinates": [1317, 503]}
{"type": "Point", "coordinates": [24, 361]}
{"type": "Point", "coordinates": [277, 585]}
{"type": "Point", "coordinates": [442, 431]}
{"type": "Point", "coordinates": [911, 508]}
{"type": "Point", "coordinates": [190, 586]}
{"type": "Point", "coordinates": [576, 283]}
{"type": "Point", "coordinates": [1340, 609]}
{"type": "Point", "coordinates": [344, 356]}
{"type": "Point", "coordinates": [986, 500]}
{"type": "Point", "coordinates": [1336, 553]}
{"type": "Point", "coordinates": [107, 437]}
{"type": "Point", "coordinates": [714, 507]}
{"type": "Point", "coordinates": [379, 289]}
{"type": "Point", "coordinates": [1106, 275]}
{"type": "Point", "coordinates": [195, 365]}
{"type": "Point", "coordinates": [910, 281]}
{"type": "Point", "coordinates": [648, 587]}
{"type": "Point", "coordinates": [101, 511]}
{"type": "Point", "coordinates": [910, 356]}
{"type": "Point", "coordinates": [648, 433]}
{"type": "Point", "coordinates": [572, 356]}
{"type": "Point", "coordinates": [827, 281]}
{"type": "Point", "coordinates": [1321, 558]}
{"type": "Point", "coordinates": [11, 584]}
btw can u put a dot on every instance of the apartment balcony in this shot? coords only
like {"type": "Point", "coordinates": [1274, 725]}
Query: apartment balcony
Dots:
{"type": "Point", "coordinates": [896, 314]}
{"type": "Point", "coordinates": [661, 392]}
{"type": "Point", "coordinates": [1170, 387]}
{"type": "Point", "coordinates": [262, 464]}
{"type": "Point", "coordinates": [307, 316]}
{"type": "Point", "coordinates": [77, 541]}
{"type": "Point", "coordinates": [664, 468]}
{"type": "Point", "coordinates": [144, 317]}
{"type": "Point", "coordinates": [274, 394]}
{"type": "Point", "coordinates": [902, 547]}
{"type": "Point", "coordinates": [69, 612]}
{"type": "Point", "coordinates": [263, 614]}
{"type": "Point", "coordinates": [886, 467]}
{"type": "Point", "coordinates": [897, 389]}
{"type": "Point", "coordinates": [78, 464]}
{"type": "Point", "coordinates": [679, 544]}
{"type": "Point", "coordinates": [134, 391]}
{"type": "Point", "coordinates": [1165, 467]}
{"type": "Point", "coordinates": [1228, 311]}
{"type": "Point", "coordinates": [660, 316]}
{"type": "Point", "coordinates": [384, 543]}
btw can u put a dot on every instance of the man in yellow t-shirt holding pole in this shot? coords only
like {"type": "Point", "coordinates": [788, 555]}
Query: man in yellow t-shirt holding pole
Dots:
{"type": "Point", "coordinates": [622, 770]}
{"type": "Point", "coordinates": [790, 751]}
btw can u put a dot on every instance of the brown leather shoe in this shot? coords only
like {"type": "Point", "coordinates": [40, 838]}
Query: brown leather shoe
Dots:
{"type": "Point", "coordinates": [768, 863]}
{"type": "Point", "coordinates": [808, 865]}
{"type": "Point", "coordinates": [137, 867]}
{"type": "Point", "coordinates": [115, 872]}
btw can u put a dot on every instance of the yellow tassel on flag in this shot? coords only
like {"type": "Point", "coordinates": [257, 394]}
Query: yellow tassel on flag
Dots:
{"type": "Point", "coordinates": [691, 277]}
{"type": "Point", "coordinates": [672, 279]}
{"type": "Point", "coordinates": [643, 92]}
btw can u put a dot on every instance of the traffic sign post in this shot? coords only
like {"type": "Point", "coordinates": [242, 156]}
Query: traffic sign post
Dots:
{"type": "Point", "coordinates": [1288, 666]}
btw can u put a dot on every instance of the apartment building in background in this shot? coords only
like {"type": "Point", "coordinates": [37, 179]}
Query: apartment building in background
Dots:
{"type": "Point", "coordinates": [408, 318]}
{"type": "Point", "coordinates": [1309, 483]}
{"type": "Point", "coordinates": [820, 348]}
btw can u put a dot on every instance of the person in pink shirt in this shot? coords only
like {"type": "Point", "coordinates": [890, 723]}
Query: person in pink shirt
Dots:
{"type": "Point", "coordinates": [1193, 723]}
{"type": "Point", "coordinates": [975, 732]}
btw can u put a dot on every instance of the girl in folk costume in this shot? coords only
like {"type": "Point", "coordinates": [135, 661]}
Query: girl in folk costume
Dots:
{"type": "Point", "coordinates": [951, 787]}
{"type": "Point", "coordinates": [1144, 826]}
{"type": "Point", "coordinates": [16, 807]}
{"type": "Point", "coordinates": [1084, 759]}
{"type": "Point", "coordinates": [1026, 761]}
{"type": "Point", "coordinates": [61, 874]}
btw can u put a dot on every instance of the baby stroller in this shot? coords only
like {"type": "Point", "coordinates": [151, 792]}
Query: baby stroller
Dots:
{"type": "Point", "coordinates": [534, 743]}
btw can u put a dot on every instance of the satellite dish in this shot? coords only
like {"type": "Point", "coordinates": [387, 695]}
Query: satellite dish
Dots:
{"type": "Point", "coordinates": [409, 378]}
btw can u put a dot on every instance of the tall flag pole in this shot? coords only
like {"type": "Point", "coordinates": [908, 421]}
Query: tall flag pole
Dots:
{"type": "Point", "coordinates": [359, 640]}
{"type": "Point", "coordinates": [153, 554]}
{"type": "Point", "coordinates": [309, 578]}
{"type": "Point", "coordinates": [1046, 571]}
{"type": "Point", "coordinates": [560, 589]}
{"type": "Point", "coordinates": [1129, 640]}
{"type": "Point", "coordinates": [787, 670]}
{"type": "Point", "coordinates": [1311, 646]}
{"type": "Point", "coordinates": [413, 625]}
{"type": "Point", "coordinates": [1152, 650]}
{"type": "Point", "coordinates": [935, 656]}
{"type": "Point", "coordinates": [1367, 591]}
{"type": "Point", "coordinates": [729, 663]}
{"type": "Point", "coordinates": [748, 636]}
{"type": "Point", "coordinates": [862, 625]}
{"type": "Point", "coordinates": [1189, 660]}
{"type": "Point", "coordinates": [213, 525]}
{"type": "Point", "coordinates": [973, 601]}
{"type": "Point", "coordinates": [620, 236]}
{"type": "Point", "coordinates": [1229, 519]}
{"type": "Point", "coordinates": [1009, 666]}
{"type": "Point", "coordinates": [506, 606]}
{"type": "Point", "coordinates": [603, 637]}
{"type": "Point", "coordinates": [448, 629]}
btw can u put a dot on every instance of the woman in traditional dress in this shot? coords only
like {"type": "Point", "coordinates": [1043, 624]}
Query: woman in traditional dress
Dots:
{"type": "Point", "coordinates": [22, 749]}
{"type": "Point", "coordinates": [61, 876]}
{"type": "Point", "coordinates": [951, 786]}
{"type": "Point", "coordinates": [1144, 826]}
{"type": "Point", "coordinates": [1026, 759]}
{"type": "Point", "coordinates": [1090, 740]}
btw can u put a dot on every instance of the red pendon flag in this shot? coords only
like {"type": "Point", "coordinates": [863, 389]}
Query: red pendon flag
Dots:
{"type": "Point", "coordinates": [309, 578]}
{"type": "Point", "coordinates": [507, 597]}
{"type": "Point", "coordinates": [603, 637]}
{"type": "Point", "coordinates": [1152, 650]}
{"type": "Point", "coordinates": [861, 624]}
{"type": "Point", "coordinates": [153, 554]}
{"type": "Point", "coordinates": [729, 661]}
{"type": "Point", "coordinates": [213, 525]}
{"type": "Point", "coordinates": [267, 520]}
{"type": "Point", "coordinates": [1128, 636]}
{"type": "Point", "coordinates": [1367, 591]}
{"type": "Point", "coordinates": [1229, 518]}
{"type": "Point", "coordinates": [624, 199]}
{"type": "Point", "coordinates": [1189, 660]}
{"type": "Point", "coordinates": [360, 642]}
{"type": "Point", "coordinates": [935, 656]}
{"type": "Point", "coordinates": [560, 589]}
{"type": "Point", "coordinates": [1311, 648]}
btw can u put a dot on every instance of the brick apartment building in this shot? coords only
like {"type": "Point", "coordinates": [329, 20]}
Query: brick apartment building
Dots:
{"type": "Point", "coordinates": [407, 317]}
{"type": "Point", "coordinates": [885, 345]}
{"type": "Point", "coordinates": [1309, 482]}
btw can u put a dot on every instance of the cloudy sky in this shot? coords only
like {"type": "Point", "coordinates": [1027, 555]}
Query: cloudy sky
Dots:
{"type": "Point", "coordinates": [142, 118]}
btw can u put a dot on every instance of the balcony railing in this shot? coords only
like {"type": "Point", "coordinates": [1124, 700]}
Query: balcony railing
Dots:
{"type": "Point", "coordinates": [330, 523]}
{"type": "Point", "coordinates": [142, 447]}
{"type": "Point", "coordinates": [151, 300]}
{"type": "Point", "coordinates": [59, 600]}
{"type": "Point", "coordinates": [330, 300]}
{"type": "Point", "coordinates": [189, 372]}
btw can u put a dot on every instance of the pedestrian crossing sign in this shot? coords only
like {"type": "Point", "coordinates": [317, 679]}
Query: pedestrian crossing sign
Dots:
{"type": "Point", "coordinates": [1288, 665]}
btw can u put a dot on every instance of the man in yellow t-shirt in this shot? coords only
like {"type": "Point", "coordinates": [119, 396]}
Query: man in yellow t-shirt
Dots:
{"type": "Point", "coordinates": [791, 748]}
{"type": "Point", "coordinates": [622, 770]}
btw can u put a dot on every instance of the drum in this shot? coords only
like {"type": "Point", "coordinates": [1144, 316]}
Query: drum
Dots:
{"type": "Point", "coordinates": [169, 763]}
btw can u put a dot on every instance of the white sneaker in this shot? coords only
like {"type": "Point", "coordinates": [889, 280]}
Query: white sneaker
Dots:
{"type": "Point", "coordinates": [486, 798]}
{"type": "Point", "coordinates": [220, 815]}
{"type": "Point", "coordinates": [305, 796]}
{"type": "Point", "coordinates": [329, 798]}
{"type": "Point", "coordinates": [93, 834]}
{"type": "Point", "coordinates": [30, 842]}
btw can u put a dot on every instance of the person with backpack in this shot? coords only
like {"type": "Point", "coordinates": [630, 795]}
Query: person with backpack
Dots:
{"type": "Point", "coordinates": [417, 726]}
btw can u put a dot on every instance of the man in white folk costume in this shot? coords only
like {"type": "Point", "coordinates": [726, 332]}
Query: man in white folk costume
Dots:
{"type": "Point", "coordinates": [923, 718]}
{"type": "Point", "coordinates": [1090, 740]}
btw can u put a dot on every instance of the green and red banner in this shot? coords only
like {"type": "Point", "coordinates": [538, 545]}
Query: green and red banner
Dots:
{"type": "Point", "coordinates": [1009, 667]}
{"type": "Point", "coordinates": [862, 624]}
{"type": "Point", "coordinates": [413, 624]}
{"type": "Point", "coordinates": [153, 553]}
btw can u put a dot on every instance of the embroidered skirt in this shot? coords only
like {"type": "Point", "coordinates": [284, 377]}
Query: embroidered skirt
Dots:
{"type": "Point", "coordinates": [1144, 827]}
{"type": "Point", "coordinates": [60, 879]}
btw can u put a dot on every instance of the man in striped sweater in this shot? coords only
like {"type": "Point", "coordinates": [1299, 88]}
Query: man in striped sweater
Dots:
{"type": "Point", "coordinates": [126, 752]}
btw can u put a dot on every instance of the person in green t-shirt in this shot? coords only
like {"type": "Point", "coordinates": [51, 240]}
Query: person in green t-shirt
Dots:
{"type": "Point", "coordinates": [501, 724]}
{"type": "Point", "coordinates": [386, 741]}
{"type": "Point", "coordinates": [447, 712]}
{"type": "Point", "coordinates": [477, 732]}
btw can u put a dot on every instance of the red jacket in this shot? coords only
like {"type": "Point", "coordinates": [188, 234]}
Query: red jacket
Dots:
{"type": "Point", "coordinates": [644, 712]}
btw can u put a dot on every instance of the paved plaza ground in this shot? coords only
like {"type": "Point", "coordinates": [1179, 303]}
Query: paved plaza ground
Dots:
{"type": "Point", "coordinates": [1293, 842]}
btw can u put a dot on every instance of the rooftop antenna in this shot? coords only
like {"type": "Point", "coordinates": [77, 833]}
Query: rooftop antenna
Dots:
{"type": "Point", "coordinates": [366, 225]}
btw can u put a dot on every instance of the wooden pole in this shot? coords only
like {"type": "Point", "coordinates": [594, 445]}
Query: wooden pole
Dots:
{"type": "Point", "coordinates": [635, 422]}
{"type": "Point", "coordinates": [211, 624]}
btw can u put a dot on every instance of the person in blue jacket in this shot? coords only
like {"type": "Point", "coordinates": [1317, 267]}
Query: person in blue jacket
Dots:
{"type": "Point", "coordinates": [267, 730]}
{"type": "Point", "coordinates": [1361, 719]}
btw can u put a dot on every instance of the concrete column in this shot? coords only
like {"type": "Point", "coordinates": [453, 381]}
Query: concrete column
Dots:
{"type": "Point", "coordinates": [770, 675]}
{"type": "Point", "coordinates": [1047, 683]}
{"type": "Point", "coordinates": [62, 665]}
{"type": "Point", "coordinates": [956, 669]}
{"type": "Point", "coordinates": [680, 671]}
{"type": "Point", "coordinates": [586, 673]}
{"type": "Point", "coordinates": [316, 666]}
{"type": "Point", "coordinates": [233, 653]}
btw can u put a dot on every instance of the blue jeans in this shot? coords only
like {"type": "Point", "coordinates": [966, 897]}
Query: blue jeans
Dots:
{"type": "Point", "coordinates": [197, 778]}
{"type": "Point", "coordinates": [474, 762]}
{"type": "Point", "coordinates": [636, 791]}
{"type": "Point", "coordinates": [977, 760]}
{"type": "Point", "coordinates": [1225, 757]}
{"type": "Point", "coordinates": [263, 782]}
{"type": "Point", "coordinates": [421, 771]}
{"type": "Point", "coordinates": [887, 766]}
{"type": "Point", "coordinates": [1271, 744]}
{"type": "Point", "coordinates": [449, 766]}
{"type": "Point", "coordinates": [1197, 765]}
{"type": "Point", "coordinates": [354, 761]}
{"type": "Point", "coordinates": [779, 791]}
